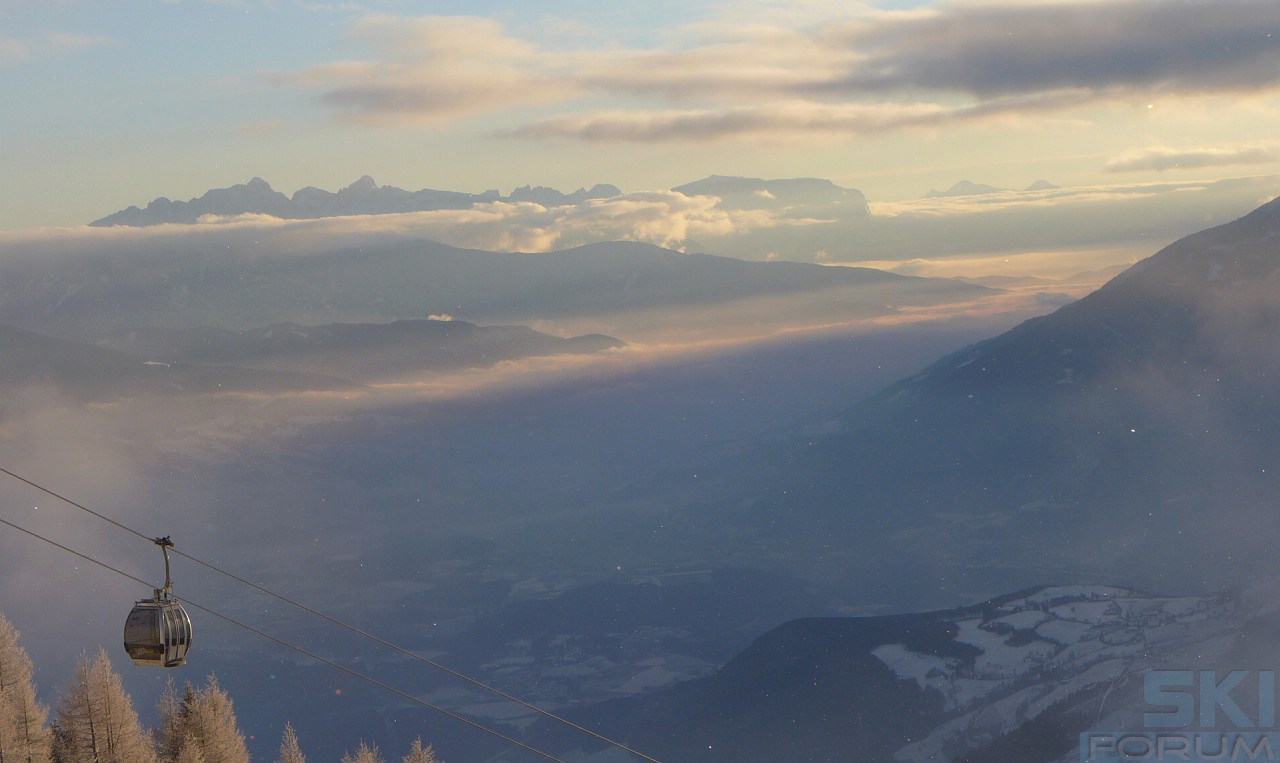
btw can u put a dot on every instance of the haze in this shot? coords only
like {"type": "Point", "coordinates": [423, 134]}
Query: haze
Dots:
{"type": "Point", "coordinates": [584, 345]}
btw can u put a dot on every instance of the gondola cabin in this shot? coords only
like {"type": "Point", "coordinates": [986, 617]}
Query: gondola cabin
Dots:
{"type": "Point", "coordinates": [158, 630]}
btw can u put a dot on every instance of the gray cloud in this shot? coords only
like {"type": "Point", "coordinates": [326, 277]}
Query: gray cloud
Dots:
{"type": "Point", "coordinates": [775, 79]}
{"type": "Point", "coordinates": [1162, 158]}
{"type": "Point", "coordinates": [998, 50]}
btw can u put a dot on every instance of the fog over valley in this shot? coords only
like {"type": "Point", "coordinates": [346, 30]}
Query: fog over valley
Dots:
{"type": "Point", "coordinates": [727, 381]}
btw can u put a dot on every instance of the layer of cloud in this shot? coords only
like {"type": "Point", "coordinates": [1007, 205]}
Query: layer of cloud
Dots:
{"type": "Point", "coordinates": [781, 121]}
{"type": "Point", "coordinates": [48, 44]}
{"type": "Point", "coordinates": [1161, 158]}
{"type": "Point", "coordinates": [434, 68]}
{"type": "Point", "coordinates": [1148, 214]}
{"type": "Point", "coordinates": [775, 77]}
{"type": "Point", "coordinates": [992, 50]}
{"type": "Point", "coordinates": [664, 218]}
{"type": "Point", "coordinates": [1051, 219]}
{"type": "Point", "coordinates": [1077, 270]}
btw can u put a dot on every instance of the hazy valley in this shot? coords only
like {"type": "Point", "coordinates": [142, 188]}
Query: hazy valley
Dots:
{"type": "Point", "coordinates": [594, 477]}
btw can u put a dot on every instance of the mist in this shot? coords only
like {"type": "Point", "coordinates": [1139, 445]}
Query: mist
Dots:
{"type": "Point", "coordinates": [442, 496]}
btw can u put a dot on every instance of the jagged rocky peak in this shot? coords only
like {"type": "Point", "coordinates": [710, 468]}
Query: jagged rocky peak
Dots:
{"type": "Point", "coordinates": [363, 185]}
{"type": "Point", "coordinates": [362, 197]}
{"type": "Point", "coordinates": [551, 197]}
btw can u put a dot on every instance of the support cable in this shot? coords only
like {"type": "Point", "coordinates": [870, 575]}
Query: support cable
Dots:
{"type": "Point", "coordinates": [347, 626]}
{"type": "Point", "coordinates": [296, 648]}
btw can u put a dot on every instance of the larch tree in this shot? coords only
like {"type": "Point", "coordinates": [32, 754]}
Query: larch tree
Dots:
{"type": "Point", "coordinates": [190, 751]}
{"type": "Point", "coordinates": [169, 734]}
{"type": "Point", "coordinates": [203, 721]}
{"type": "Point", "coordinates": [290, 751]}
{"type": "Point", "coordinates": [420, 753]}
{"type": "Point", "coordinates": [23, 736]}
{"type": "Point", "coordinates": [364, 754]}
{"type": "Point", "coordinates": [96, 720]}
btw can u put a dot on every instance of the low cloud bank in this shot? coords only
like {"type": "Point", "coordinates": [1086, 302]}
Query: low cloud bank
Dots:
{"type": "Point", "coordinates": [663, 218]}
{"type": "Point", "coordinates": [1120, 216]}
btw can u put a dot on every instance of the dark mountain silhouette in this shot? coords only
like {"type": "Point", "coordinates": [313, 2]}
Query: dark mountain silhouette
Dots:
{"type": "Point", "coordinates": [363, 197]}
{"type": "Point", "coordinates": [1017, 679]}
{"type": "Point", "coordinates": [366, 352]}
{"type": "Point", "coordinates": [240, 280]}
{"type": "Point", "coordinates": [1130, 435]}
{"type": "Point", "coordinates": [550, 197]}
{"type": "Point", "coordinates": [366, 197]}
{"type": "Point", "coordinates": [86, 372]}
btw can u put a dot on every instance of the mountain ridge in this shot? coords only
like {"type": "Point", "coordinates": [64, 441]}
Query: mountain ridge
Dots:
{"type": "Point", "coordinates": [1125, 436]}
{"type": "Point", "coordinates": [1128, 423]}
{"type": "Point", "coordinates": [237, 280]}
{"type": "Point", "coordinates": [1022, 674]}
{"type": "Point", "coordinates": [362, 197]}
{"type": "Point", "coordinates": [365, 197]}
{"type": "Point", "coordinates": [359, 351]}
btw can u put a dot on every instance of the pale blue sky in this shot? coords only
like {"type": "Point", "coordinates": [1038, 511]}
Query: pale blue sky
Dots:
{"type": "Point", "coordinates": [115, 103]}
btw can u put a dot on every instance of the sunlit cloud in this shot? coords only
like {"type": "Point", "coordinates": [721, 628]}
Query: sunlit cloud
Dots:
{"type": "Point", "coordinates": [1079, 270]}
{"type": "Point", "coordinates": [784, 122]}
{"type": "Point", "coordinates": [664, 218]}
{"type": "Point", "coordinates": [742, 61]}
{"type": "Point", "coordinates": [941, 206]}
{"type": "Point", "coordinates": [1161, 158]}
{"type": "Point", "coordinates": [434, 68]}
{"type": "Point", "coordinates": [828, 71]}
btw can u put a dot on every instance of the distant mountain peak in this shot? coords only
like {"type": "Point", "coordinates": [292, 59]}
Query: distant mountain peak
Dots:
{"type": "Point", "coordinates": [258, 184]}
{"type": "Point", "coordinates": [363, 185]}
{"type": "Point", "coordinates": [964, 188]}
{"type": "Point", "coordinates": [814, 195]}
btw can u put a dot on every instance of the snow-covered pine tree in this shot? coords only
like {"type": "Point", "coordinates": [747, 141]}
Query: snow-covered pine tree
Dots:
{"type": "Point", "coordinates": [290, 752]}
{"type": "Point", "coordinates": [420, 753]}
{"type": "Point", "coordinates": [96, 720]}
{"type": "Point", "coordinates": [23, 736]}
{"type": "Point", "coordinates": [364, 754]}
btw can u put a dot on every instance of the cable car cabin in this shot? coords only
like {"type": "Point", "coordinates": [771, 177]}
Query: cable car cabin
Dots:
{"type": "Point", "coordinates": [158, 632]}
